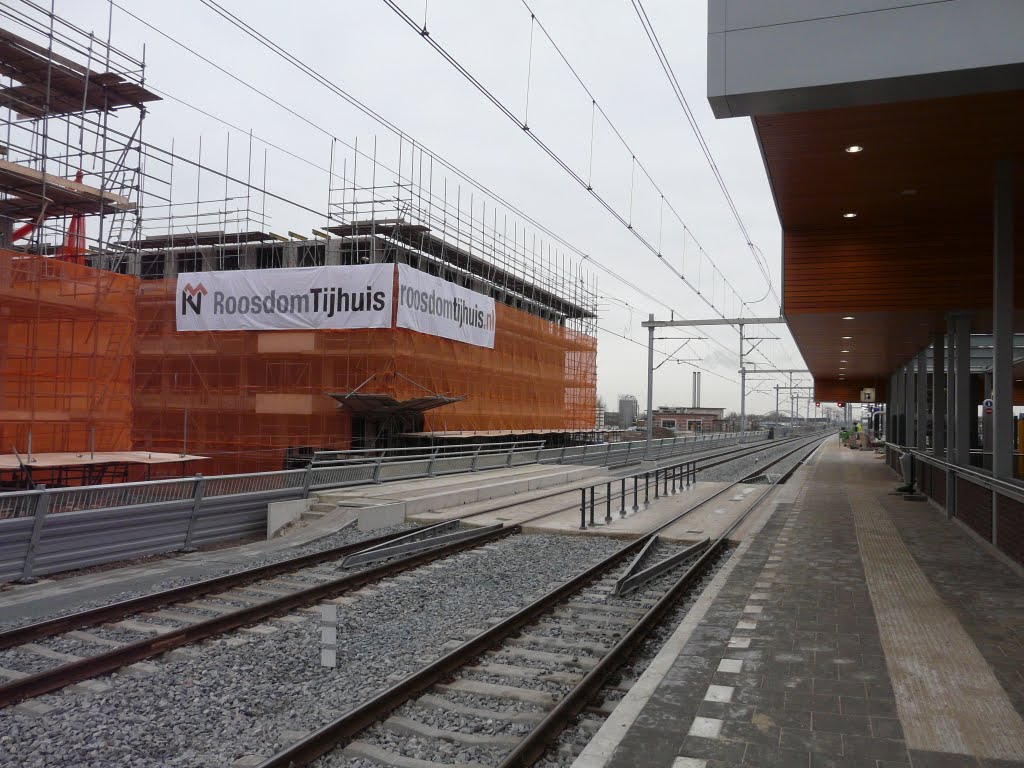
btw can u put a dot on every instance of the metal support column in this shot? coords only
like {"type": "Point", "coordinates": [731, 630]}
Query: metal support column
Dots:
{"type": "Point", "coordinates": [890, 411]}
{"type": "Point", "coordinates": [921, 399]}
{"type": "Point", "coordinates": [1002, 323]}
{"type": "Point", "coordinates": [965, 409]}
{"type": "Point", "coordinates": [939, 395]}
{"type": "Point", "coordinates": [650, 389]}
{"type": "Point", "coordinates": [743, 387]}
{"type": "Point", "coordinates": [910, 407]}
{"type": "Point", "coordinates": [951, 433]}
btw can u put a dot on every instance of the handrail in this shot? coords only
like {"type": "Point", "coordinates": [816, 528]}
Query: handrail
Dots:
{"type": "Point", "coordinates": [364, 455]}
{"type": "Point", "coordinates": [1014, 490]}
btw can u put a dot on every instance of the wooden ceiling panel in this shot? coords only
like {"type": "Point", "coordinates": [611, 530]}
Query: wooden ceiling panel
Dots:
{"type": "Point", "coordinates": [921, 243]}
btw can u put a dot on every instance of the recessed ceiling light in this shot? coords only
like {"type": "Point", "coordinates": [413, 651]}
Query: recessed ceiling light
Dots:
{"type": "Point", "coordinates": [844, 351]}
{"type": "Point", "coordinates": [848, 317]}
{"type": "Point", "coordinates": [849, 215]}
{"type": "Point", "coordinates": [844, 361]}
{"type": "Point", "coordinates": [846, 338]}
{"type": "Point", "coordinates": [854, 149]}
{"type": "Point", "coordinates": [908, 192]}
{"type": "Point", "coordinates": [842, 368]}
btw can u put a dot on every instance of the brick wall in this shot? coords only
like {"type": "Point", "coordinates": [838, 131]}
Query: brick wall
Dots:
{"type": "Point", "coordinates": [974, 507]}
{"type": "Point", "coordinates": [1010, 528]}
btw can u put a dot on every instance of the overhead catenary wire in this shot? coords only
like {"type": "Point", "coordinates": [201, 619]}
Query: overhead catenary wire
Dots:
{"type": "Point", "coordinates": [368, 111]}
{"type": "Point", "coordinates": [266, 42]}
{"type": "Point", "coordinates": [546, 148]}
{"type": "Point", "coordinates": [677, 91]}
{"type": "Point", "coordinates": [626, 221]}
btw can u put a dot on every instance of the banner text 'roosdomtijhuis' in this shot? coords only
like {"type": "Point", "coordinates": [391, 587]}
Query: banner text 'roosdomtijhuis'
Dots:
{"type": "Point", "coordinates": [432, 305]}
{"type": "Point", "coordinates": [357, 296]}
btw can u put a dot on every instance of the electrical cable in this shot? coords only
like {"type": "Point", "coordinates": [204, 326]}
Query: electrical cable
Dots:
{"type": "Point", "coordinates": [705, 149]}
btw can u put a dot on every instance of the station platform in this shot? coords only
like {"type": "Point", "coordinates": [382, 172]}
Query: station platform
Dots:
{"type": "Point", "coordinates": [540, 512]}
{"type": "Point", "coordinates": [853, 627]}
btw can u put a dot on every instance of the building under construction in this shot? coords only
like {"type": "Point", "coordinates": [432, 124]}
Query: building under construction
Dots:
{"type": "Point", "coordinates": [92, 357]}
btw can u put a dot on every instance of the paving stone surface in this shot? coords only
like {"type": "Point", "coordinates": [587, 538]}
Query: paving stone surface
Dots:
{"type": "Point", "coordinates": [788, 667]}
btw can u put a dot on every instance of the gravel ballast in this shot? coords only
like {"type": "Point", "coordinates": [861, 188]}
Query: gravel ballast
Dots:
{"type": "Point", "coordinates": [232, 700]}
{"type": "Point", "coordinates": [348, 535]}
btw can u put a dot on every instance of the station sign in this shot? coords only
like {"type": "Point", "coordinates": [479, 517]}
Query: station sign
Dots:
{"type": "Point", "coordinates": [989, 405]}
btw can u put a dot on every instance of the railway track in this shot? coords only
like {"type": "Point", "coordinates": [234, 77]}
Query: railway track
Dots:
{"type": "Point", "coordinates": [522, 672]}
{"type": "Point", "coordinates": [157, 623]}
{"type": "Point", "coordinates": [700, 464]}
{"type": "Point", "coordinates": [153, 625]}
{"type": "Point", "coordinates": [119, 610]}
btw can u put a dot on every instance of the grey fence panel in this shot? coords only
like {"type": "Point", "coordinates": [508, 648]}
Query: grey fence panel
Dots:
{"type": "Point", "coordinates": [492, 460]}
{"type": "Point", "coordinates": [116, 495]}
{"type": "Point", "coordinates": [18, 504]}
{"type": "Point", "coordinates": [80, 539]}
{"type": "Point", "coordinates": [404, 470]}
{"type": "Point", "coordinates": [229, 485]}
{"type": "Point", "coordinates": [448, 465]}
{"type": "Point", "coordinates": [15, 534]}
{"type": "Point", "coordinates": [549, 455]}
{"type": "Point", "coordinates": [223, 518]}
{"type": "Point", "coordinates": [527, 457]}
{"type": "Point", "coordinates": [334, 477]}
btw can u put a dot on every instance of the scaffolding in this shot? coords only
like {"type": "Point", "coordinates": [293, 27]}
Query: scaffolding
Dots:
{"type": "Point", "coordinates": [89, 354]}
{"type": "Point", "coordinates": [258, 400]}
{"type": "Point", "coordinates": [66, 349]}
{"type": "Point", "coordinates": [70, 187]}
{"type": "Point", "coordinates": [255, 400]}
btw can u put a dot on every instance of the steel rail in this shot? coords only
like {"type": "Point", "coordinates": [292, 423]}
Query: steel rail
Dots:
{"type": "Point", "coordinates": [59, 677]}
{"type": "Point", "coordinates": [348, 725]}
{"type": "Point", "coordinates": [92, 616]}
{"type": "Point", "coordinates": [114, 611]}
{"type": "Point", "coordinates": [729, 456]}
{"type": "Point", "coordinates": [323, 740]}
{"type": "Point", "coordinates": [536, 743]}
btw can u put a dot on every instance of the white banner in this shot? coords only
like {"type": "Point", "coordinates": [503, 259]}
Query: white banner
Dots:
{"type": "Point", "coordinates": [431, 305]}
{"type": "Point", "coordinates": [358, 296]}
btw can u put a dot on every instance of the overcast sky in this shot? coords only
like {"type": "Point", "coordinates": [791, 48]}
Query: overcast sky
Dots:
{"type": "Point", "coordinates": [363, 46]}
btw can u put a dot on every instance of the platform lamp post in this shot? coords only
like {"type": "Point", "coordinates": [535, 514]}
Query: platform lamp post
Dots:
{"type": "Point", "coordinates": [650, 324]}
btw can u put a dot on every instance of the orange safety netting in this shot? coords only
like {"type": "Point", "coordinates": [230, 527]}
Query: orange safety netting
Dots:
{"type": "Point", "coordinates": [66, 348]}
{"type": "Point", "coordinates": [248, 398]}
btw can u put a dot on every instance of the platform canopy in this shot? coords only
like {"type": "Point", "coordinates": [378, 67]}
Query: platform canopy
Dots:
{"type": "Point", "coordinates": [881, 149]}
{"type": "Point", "coordinates": [920, 244]}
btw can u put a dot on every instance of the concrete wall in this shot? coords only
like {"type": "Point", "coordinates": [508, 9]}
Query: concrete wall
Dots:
{"type": "Point", "coordinates": [777, 56]}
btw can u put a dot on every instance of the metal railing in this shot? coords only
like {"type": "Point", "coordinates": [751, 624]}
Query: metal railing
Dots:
{"type": "Point", "coordinates": [48, 530]}
{"type": "Point", "coordinates": [989, 507]}
{"type": "Point", "coordinates": [677, 476]}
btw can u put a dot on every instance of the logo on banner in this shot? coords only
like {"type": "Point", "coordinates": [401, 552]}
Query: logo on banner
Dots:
{"type": "Point", "coordinates": [193, 297]}
{"type": "Point", "coordinates": [336, 297]}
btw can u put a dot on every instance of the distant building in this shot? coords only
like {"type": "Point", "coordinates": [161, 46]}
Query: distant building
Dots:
{"type": "Point", "coordinates": [689, 419]}
{"type": "Point", "coordinates": [628, 411]}
{"type": "Point", "coordinates": [611, 419]}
